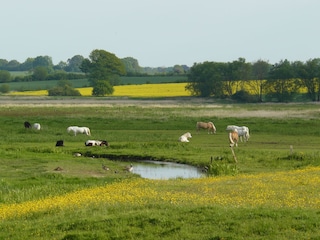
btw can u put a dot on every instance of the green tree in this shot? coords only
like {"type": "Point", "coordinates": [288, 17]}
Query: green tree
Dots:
{"type": "Point", "coordinates": [74, 63]}
{"type": "Point", "coordinates": [260, 70]}
{"type": "Point", "coordinates": [43, 61]}
{"type": "Point", "coordinates": [40, 73]}
{"type": "Point", "coordinates": [281, 83]}
{"type": "Point", "coordinates": [3, 64]}
{"type": "Point", "coordinates": [102, 88]}
{"type": "Point", "coordinates": [235, 74]}
{"type": "Point", "coordinates": [131, 65]}
{"type": "Point", "coordinates": [60, 66]}
{"type": "Point", "coordinates": [27, 65]}
{"type": "Point", "coordinates": [5, 76]}
{"type": "Point", "coordinates": [4, 88]}
{"type": "Point", "coordinates": [309, 74]}
{"type": "Point", "coordinates": [102, 65]}
{"type": "Point", "coordinates": [178, 70]}
{"type": "Point", "coordinates": [206, 79]}
{"type": "Point", "coordinates": [13, 65]}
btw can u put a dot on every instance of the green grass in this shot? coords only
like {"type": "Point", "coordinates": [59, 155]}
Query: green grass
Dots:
{"type": "Point", "coordinates": [41, 85]}
{"type": "Point", "coordinates": [163, 222]}
{"type": "Point", "coordinates": [29, 157]}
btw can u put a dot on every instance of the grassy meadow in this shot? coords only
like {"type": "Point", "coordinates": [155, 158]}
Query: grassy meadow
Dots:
{"type": "Point", "coordinates": [272, 192]}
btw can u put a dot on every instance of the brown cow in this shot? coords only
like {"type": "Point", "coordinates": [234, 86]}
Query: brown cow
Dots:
{"type": "Point", "coordinates": [233, 138]}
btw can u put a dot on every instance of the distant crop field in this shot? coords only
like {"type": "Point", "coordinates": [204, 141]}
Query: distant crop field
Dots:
{"type": "Point", "coordinates": [142, 90]}
{"type": "Point", "coordinates": [41, 85]}
{"type": "Point", "coordinates": [19, 73]}
{"type": "Point", "coordinates": [79, 83]}
{"type": "Point", "coordinates": [153, 79]}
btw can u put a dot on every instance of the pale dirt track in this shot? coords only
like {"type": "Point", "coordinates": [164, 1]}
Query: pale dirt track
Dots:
{"type": "Point", "coordinates": [207, 107]}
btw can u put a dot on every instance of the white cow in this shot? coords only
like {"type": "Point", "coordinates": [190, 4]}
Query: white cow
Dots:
{"type": "Point", "coordinates": [185, 137]}
{"type": "Point", "coordinates": [36, 126]}
{"type": "Point", "coordinates": [243, 132]}
{"type": "Point", "coordinates": [76, 129]}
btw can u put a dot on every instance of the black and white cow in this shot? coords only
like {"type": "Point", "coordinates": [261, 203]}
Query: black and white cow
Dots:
{"type": "Point", "coordinates": [96, 143]}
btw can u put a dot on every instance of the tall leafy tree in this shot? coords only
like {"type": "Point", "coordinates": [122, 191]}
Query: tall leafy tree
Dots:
{"type": "Point", "coordinates": [74, 64]}
{"type": "Point", "coordinates": [206, 79]}
{"type": "Point", "coordinates": [131, 65]}
{"type": "Point", "coordinates": [260, 70]}
{"type": "Point", "coordinates": [309, 74]}
{"type": "Point", "coordinates": [3, 64]}
{"type": "Point", "coordinates": [281, 83]}
{"type": "Point", "coordinates": [178, 70]}
{"type": "Point", "coordinates": [43, 61]}
{"type": "Point", "coordinates": [27, 65]}
{"type": "Point", "coordinates": [102, 88]}
{"type": "Point", "coordinates": [103, 66]}
{"type": "Point", "coordinates": [13, 65]}
{"type": "Point", "coordinates": [60, 66]}
{"type": "Point", "coordinates": [236, 73]}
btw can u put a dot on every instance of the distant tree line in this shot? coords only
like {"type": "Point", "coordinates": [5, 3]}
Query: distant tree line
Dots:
{"type": "Point", "coordinates": [42, 68]}
{"type": "Point", "coordinates": [242, 81]}
{"type": "Point", "coordinates": [102, 69]}
{"type": "Point", "coordinates": [256, 82]}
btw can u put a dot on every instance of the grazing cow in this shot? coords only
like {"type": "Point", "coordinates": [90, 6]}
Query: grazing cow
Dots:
{"type": "Point", "coordinates": [243, 132]}
{"type": "Point", "coordinates": [233, 138]}
{"type": "Point", "coordinates": [96, 143]}
{"type": "Point", "coordinates": [185, 137]}
{"type": "Point", "coordinates": [76, 129]}
{"type": "Point", "coordinates": [27, 125]}
{"type": "Point", "coordinates": [36, 126]}
{"type": "Point", "coordinates": [59, 143]}
{"type": "Point", "coordinates": [209, 125]}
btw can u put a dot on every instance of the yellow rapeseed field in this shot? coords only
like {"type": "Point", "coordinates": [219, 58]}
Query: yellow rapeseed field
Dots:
{"type": "Point", "coordinates": [292, 189]}
{"type": "Point", "coordinates": [150, 90]}
{"type": "Point", "coordinates": [143, 90]}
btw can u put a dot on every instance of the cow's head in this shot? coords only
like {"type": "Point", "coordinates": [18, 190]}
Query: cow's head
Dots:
{"type": "Point", "coordinates": [104, 143]}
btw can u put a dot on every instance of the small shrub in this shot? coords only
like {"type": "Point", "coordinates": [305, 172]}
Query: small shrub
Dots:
{"type": "Point", "coordinates": [63, 91]}
{"type": "Point", "coordinates": [4, 88]}
{"type": "Point", "coordinates": [243, 96]}
{"type": "Point", "coordinates": [221, 169]}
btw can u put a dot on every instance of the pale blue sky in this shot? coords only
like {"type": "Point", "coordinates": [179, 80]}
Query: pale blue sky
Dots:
{"type": "Point", "coordinates": [161, 32]}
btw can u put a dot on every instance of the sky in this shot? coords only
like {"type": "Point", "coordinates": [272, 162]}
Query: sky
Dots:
{"type": "Point", "coordinates": [161, 33]}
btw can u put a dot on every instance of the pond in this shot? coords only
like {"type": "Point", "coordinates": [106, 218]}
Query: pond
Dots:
{"type": "Point", "coordinates": [165, 170]}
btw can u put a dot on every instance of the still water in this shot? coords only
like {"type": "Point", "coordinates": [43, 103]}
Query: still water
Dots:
{"type": "Point", "coordinates": [165, 170]}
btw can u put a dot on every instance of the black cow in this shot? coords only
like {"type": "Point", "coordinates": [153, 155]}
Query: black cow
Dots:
{"type": "Point", "coordinates": [27, 125]}
{"type": "Point", "coordinates": [96, 143]}
{"type": "Point", "coordinates": [59, 143]}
